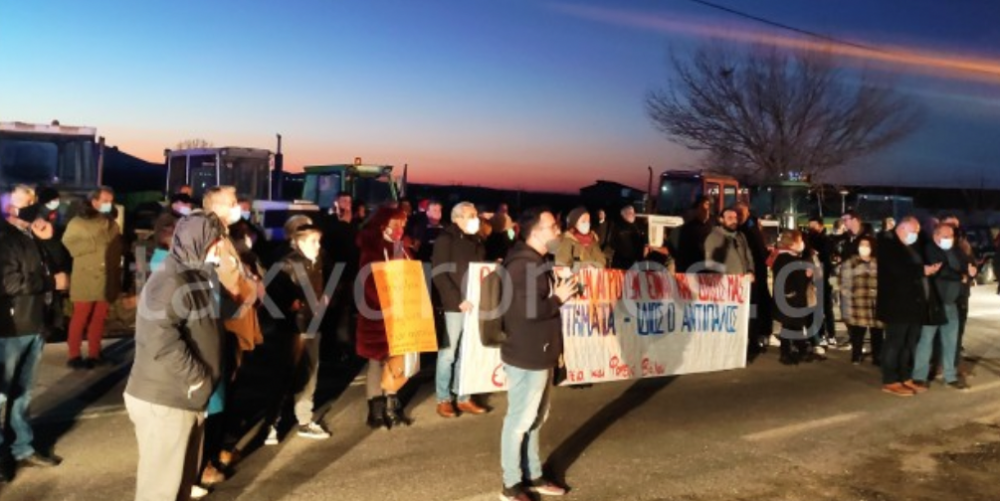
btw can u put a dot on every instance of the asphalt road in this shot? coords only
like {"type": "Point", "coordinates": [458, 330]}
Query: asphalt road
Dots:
{"type": "Point", "coordinates": [769, 432]}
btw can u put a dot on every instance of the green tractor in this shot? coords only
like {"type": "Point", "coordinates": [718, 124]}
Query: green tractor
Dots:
{"type": "Point", "coordinates": [370, 183]}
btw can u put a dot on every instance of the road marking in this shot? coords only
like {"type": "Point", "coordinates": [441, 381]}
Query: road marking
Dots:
{"type": "Point", "coordinates": [798, 428]}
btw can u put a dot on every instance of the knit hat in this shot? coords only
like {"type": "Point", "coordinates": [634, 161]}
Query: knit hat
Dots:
{"type": "Point", "coordinates": [575, 215]}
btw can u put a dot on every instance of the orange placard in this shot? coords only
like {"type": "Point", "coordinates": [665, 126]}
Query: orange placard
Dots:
{"type": "Point", "coordinates": [406, 306]}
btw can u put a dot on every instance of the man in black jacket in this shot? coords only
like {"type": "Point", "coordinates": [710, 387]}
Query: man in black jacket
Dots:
{"type": "Point", "coordinates": [822, 245]}
{"type": "Point", "coordinates": [903, 303]}
{"type": "Point", "coordinates": [532, 350]}
{"type": "Point", "coordinates": [178, 337]}
{"type": "Point", "coordinates": [454, 249]}
{"type": "Point", "coordinates": [25, 303]}
{"type": "Point", "coordinates": [761, 323]}
{"type": "Point", "coordinates": [948, 285]}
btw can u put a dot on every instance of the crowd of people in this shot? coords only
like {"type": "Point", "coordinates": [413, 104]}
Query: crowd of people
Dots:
{"type": "Point", "coordinates": [207, 301]}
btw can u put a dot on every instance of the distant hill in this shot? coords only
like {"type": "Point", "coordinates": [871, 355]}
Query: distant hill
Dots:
{"type": "Point", "coordinates": [128, 174]}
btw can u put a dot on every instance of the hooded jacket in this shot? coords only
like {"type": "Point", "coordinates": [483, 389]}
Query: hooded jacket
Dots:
{"type": "Point", "coordinates": [532, 322]}
{"type": "Point", "coordinates": [26, 282]}
{"type": "Point", "coordinates": [178, 333]}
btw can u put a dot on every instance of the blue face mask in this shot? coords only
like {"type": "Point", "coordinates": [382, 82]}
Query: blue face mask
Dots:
{"type": "Point", "coordinates": [105, 208]}
{"type": "Point", "coordinates": [911, 238]}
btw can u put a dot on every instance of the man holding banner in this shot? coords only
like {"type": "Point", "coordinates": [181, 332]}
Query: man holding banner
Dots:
{"type": "Point", "coordinates": [531, 351]}
{"type": "Point", "coordinates": [454, 249]}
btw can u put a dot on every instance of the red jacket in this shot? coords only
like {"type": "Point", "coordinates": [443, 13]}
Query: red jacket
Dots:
{"type": "Point", "coordinates": [371, 338]}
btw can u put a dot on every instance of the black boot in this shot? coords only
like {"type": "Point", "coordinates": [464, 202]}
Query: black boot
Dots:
{"type": "Point", "coordinates": [394, 416]}
{"type": "Point", "coordinates": [376, 413]}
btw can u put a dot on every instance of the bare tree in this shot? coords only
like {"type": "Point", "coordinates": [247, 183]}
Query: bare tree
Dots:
{"type": "Point", "coordinates": [193, 144]}
{"type": "Point", "coordinates": [764, 112]}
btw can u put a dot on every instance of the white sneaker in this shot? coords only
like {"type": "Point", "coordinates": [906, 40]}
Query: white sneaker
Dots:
{"type": "Point", "coordinates": [198, 492]}
{"type": "Point", "coordinates": [819, 350]}
{"type": "Point", "coordinates": [314, 431]}
{"type": "Point", "coordinates": [272, 437]}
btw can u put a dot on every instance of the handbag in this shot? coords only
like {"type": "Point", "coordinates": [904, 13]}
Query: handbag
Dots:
{"type": "Point", "coordinates": [398, 370]}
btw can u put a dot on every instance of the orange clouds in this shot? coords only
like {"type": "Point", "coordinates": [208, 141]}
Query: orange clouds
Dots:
{"type": "Point", "coordinates": [916, 60]}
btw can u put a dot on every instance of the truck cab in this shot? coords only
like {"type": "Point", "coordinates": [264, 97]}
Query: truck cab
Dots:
{"type": "Point", "coordinates": [249, 170]}
{"type": "Point", "coordinates": [67, 158]}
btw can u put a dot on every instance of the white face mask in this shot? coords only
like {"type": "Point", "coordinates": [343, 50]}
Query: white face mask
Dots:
{"type": "Point", "coordinates": [911, 238]}
{"type": "Point", "coordinates": [511, 234]}
{"type": "Point", "coordinates": [105, 208]}
{"type": "Point", "coordinates": [245, 214]}
{"type": "Point", "coordinates": [184, 210]}
{"type": "Point", "coordinates": [583, 228]}
{"type": "Point", "coordinates": [472, 227]}
{"type": "Point", "coordinates": [235, 213]}
{"type": "Point", "coordinates": [865, 251]}
{"type": "Point", "coordinates": [53, 205]}
{"type": "Point", "coordinates": [947, 243]}
{"type": "Point", "coordinates": [799, 248]}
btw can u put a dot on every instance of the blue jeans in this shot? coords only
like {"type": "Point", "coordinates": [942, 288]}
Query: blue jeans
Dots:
{"type": "Point", "coordinates": [20, 358]}
{"type": "Point", "coordinates": [448, 361]}
{"type": "Point", "coordinates": [949, 345]}
{"type": "Point", "coordinates": [527, 409]}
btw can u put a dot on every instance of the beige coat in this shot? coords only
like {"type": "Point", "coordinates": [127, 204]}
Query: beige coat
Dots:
{"type": "Point", "coordinates": [96, 245]}
{"type": "Point", "coordinates": [571, 251]}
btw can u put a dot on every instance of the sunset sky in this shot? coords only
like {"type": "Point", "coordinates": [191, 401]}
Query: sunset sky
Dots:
{"type": "Point", "coordinates": [519, 93]}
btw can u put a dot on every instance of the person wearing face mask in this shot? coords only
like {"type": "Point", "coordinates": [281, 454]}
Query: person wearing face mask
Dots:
{"type": "Point", "coordinates": [579, 247]}
{"type": "Point", "coordinates": [94, 241]}
{"type": "Point", "coordinates": [903, 304]}
{"type": "Point", "coordinates": [793, 273]}
{"type": "Point", "coordinates": [530, 353]}
{"type": "Point", "coordinates": [241, 290]}
{"type": "Point", "coordinates": [457, 247]}
{"type": "Point", "coordinates": [970, 264]}
{"type": "Point", "coordinates": [858, 286]}
{"type": "Point", "coordinates": [380, 241]}
{"type": "Point", "coordinates": [947, 288]}
{"type": "Point", "coordinates": [178, 361]}
{"type": "Point", "coordinates": [502, 239]}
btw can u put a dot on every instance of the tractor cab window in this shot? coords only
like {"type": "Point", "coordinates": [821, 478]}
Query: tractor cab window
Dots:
{"type": "Point", "coordinates": [677, 195]}
{"type": "Point", "coordinates": [42, 159]}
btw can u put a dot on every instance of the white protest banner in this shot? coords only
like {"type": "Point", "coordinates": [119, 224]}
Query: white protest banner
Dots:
{"type": "Point", "coordinates": [630, 325]}
{"type": "Point", "coordinates": [481, 367]}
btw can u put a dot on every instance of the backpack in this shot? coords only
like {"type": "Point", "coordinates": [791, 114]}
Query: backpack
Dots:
{"type": "Point", "coordinates": [491, 332]}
